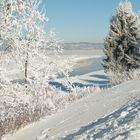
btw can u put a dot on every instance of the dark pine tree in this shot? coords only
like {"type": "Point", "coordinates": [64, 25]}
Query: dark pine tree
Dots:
{"type": "Point", "coordinates": [122, 47]}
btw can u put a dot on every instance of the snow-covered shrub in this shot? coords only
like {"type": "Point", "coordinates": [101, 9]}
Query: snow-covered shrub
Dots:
{"type": "Point", "coordinates": [20, 106]}
{"type": "Point", "coordinates": [117, 77]}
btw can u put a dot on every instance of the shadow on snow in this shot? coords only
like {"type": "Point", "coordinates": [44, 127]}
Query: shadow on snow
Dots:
{"type": "Point", "coordinates": [106, 125]}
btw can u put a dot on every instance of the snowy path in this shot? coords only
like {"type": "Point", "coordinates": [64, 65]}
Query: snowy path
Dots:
{"type": "Point", "coordinates": [106, 115]}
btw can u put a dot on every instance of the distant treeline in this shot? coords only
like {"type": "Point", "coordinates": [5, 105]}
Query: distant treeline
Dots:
{"type": "Point", "coordinates": [83, 46]}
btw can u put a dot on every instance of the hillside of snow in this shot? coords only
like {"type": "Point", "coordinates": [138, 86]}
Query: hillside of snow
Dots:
{"type": "Point", "coordinates": [111, 114]}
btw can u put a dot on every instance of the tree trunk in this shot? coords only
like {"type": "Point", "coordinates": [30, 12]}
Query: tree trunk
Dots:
{"type": "Point", "coordinates": [26, 70]}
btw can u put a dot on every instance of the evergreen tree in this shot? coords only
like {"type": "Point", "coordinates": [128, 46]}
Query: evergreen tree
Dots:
{"type": "Point", "coordinates": [122, 47]}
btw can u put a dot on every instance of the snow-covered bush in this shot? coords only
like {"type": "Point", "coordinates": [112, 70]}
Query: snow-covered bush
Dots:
{"type": "Point", "coordinates": [20, 106]}
{"type": "Point", "coordinates": [117, 77]}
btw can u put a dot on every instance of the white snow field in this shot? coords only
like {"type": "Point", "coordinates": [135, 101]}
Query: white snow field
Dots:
{"type": "Point", "coordinates": [112, 114]}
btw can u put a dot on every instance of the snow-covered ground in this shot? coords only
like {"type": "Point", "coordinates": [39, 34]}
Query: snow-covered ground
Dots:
{"type": "Point", "coordinates": [111, 114]}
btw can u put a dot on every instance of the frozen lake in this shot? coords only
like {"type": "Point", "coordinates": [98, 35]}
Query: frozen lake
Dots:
{"type": "Point", "coordinates": [87, 70]}
{"type": "Point", "coordinates": [87, 65]}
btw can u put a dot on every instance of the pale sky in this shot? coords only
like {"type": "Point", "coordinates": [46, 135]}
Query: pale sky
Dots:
{"type": "Point", "coordinates": [82, 20]}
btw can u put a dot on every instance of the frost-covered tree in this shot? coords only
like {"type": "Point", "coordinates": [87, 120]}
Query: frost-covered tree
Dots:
{"type": "Point", "coordinates": [122, 48]}
{"type": "Point", "coordinates": [32, 52]}
{"type": "Point", "coordinates": [8, 27]}
{"type": "Point", "coordinates": [29, 59]}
